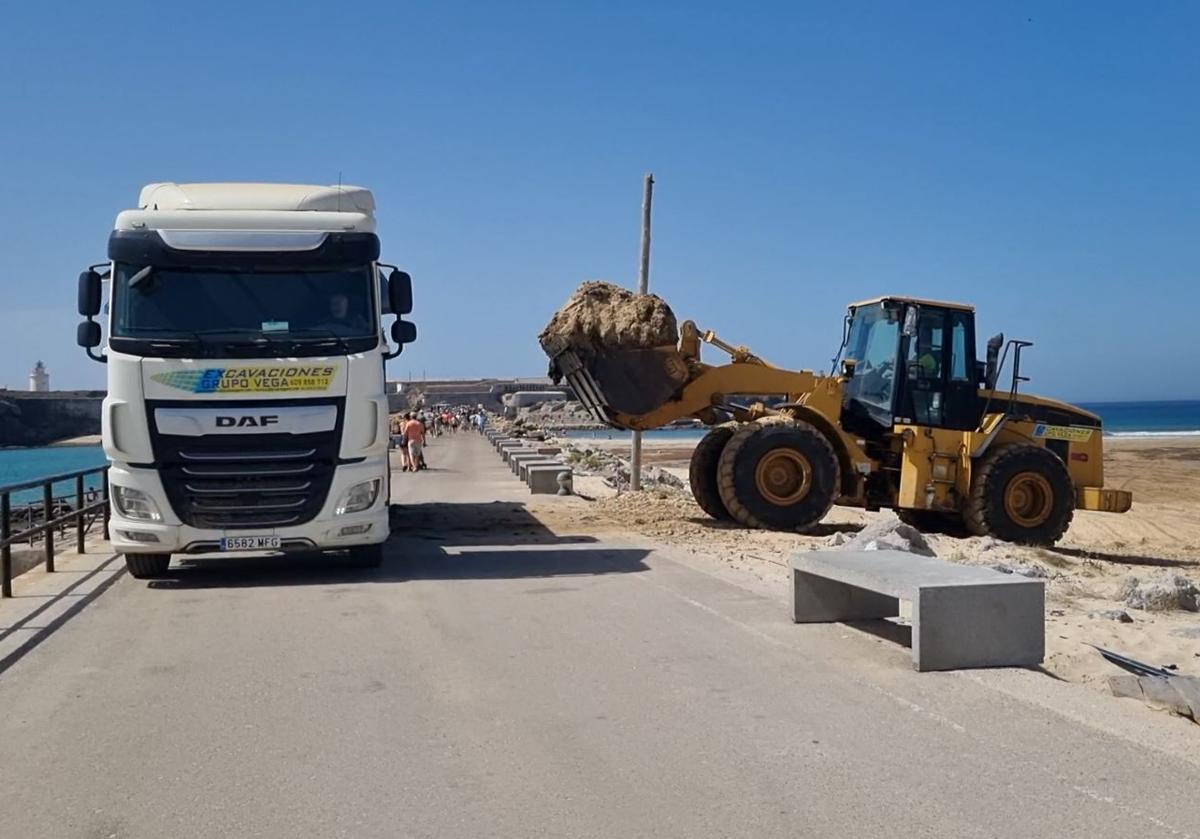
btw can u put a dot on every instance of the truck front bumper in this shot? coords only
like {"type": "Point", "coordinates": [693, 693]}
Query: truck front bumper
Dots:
{"type": "Point", "coordinates": [325, 532]}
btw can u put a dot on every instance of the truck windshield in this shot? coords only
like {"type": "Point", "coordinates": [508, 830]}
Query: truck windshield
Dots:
{"type": "Point", "coordinates": [874, 342]}
{"type": "Point", "coordinates": [227, 311]}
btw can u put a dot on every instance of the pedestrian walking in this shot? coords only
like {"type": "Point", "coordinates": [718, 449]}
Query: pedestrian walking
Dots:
{"type": "Point", "coordinates": [414, 435]}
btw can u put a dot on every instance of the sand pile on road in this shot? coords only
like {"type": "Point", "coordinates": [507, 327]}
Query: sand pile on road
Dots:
{"type": "Point", "coordinates": [602, 316]}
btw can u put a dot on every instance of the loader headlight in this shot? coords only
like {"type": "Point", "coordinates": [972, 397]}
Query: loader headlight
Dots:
{"type": "Point", "coordinates": [358, 498]}
{"type": "Point", "coordinates": [135, 504]}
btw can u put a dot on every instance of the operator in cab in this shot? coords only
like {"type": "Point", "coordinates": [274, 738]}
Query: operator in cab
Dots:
{"type": "Point", "coordinates": [342, 321]}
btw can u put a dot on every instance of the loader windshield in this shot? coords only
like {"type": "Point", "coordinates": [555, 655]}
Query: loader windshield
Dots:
{"type": "Point", "coordinates": [873, 342]}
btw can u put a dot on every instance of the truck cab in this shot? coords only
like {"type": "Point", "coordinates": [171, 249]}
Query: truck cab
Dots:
{"type": "Point", "coordinates": [246, 408]}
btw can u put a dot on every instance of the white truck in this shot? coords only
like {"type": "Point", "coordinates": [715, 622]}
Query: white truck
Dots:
{"type": "Point", "coordinates": [246, 408]}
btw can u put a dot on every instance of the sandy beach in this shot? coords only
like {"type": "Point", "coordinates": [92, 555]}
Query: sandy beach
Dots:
{"type": "Point", "coordinates": [1084, 572]}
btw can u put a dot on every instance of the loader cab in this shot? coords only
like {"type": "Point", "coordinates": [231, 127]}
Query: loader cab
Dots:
{"type": "Point", "coordinates": [913, 362]}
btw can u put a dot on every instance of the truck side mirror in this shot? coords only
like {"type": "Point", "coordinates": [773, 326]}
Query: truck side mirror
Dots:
{"type": "Point", "coordinates": [404, 332]}
{"type": "Point", "coordinates": [89, 294]}
{"type": "Point", "coordinates": [87, 334]}
{"type": "Point", "coordinates": [991, 371]}
{"type": "Point", "coordinates": [400, 295]}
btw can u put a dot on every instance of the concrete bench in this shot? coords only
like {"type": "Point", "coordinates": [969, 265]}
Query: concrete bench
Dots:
{"type": "Point", "coordinates": [962, 615]}
{"type": "Point", "coordinates": [543, 480]}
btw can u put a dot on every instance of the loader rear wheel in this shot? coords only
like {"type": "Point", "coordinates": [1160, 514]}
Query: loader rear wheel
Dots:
{"type": "Point", "coordinates": [702, 472]}
{"type": "Point", "coordinates": [1021, 494]}
{"type": "Point", "coordinates": [778, 475]}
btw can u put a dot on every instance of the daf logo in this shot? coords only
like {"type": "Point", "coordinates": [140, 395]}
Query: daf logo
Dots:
{"type": "Point", "coordinates": [247, 421]}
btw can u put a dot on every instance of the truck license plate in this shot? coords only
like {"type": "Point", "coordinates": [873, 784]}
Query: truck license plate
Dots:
{"type": "Point", "coordinates": [249, 543]}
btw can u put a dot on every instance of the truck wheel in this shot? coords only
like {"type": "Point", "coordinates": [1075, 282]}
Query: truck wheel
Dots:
{"type": "Point", "coordinates": [778, 475]}
{"type": "Point", "coordinates": [366, 556]}
{"type": "Point", "coordinates": [147, 566]}
{"type": "Point", "coordinates": [1021, 494]}
{"type": "Point", "coordinates": [931, 521]}
{"type": "Point", "coordinates": [702, 473]}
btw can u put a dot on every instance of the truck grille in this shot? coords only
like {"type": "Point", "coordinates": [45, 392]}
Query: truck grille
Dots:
{"type": "Point", "coordinates": [230, 482]}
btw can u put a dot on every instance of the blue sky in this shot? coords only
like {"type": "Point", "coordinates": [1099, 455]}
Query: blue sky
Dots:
{"type": "Point", "coordinates": [1036, 159]}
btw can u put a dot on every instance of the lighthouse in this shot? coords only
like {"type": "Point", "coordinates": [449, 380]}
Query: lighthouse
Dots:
{"type": "Point", "coordinates": [39, 379]}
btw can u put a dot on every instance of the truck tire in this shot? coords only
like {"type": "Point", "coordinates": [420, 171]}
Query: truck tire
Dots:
{"type": "Point", "coordinates": [366, 556]}
{"type": "Point", "coordinates": [932, 521]}
{"type": "Point", "coordinates": [702, 472]}
{"type": "Point", "coordinates": [778, 475]}
{"type": "Point", "coordinates": [1021, 494]}
{"type": "Point", "coordinates": [147, 566]}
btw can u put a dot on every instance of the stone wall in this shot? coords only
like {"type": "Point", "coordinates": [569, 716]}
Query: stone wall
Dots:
{"type": "Point", "coordinates": [35, 419]}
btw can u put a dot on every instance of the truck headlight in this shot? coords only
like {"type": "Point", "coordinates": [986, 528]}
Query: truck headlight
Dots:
{"type": "Point", "coordinates": [358, 498]}
{"type": "Point", "coordinates": [135, 504]}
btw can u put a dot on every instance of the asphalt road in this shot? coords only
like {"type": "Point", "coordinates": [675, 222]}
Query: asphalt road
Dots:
{"type": "Point", "coordinates": [494, 679]}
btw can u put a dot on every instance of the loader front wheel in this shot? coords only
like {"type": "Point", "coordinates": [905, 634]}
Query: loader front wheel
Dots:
{"type": "Point", "coordinates": [1021, 494]}
{"type": "Point", "coordinates": [778, 475]}
{"type": "Point", "coordinates": [702, 472]}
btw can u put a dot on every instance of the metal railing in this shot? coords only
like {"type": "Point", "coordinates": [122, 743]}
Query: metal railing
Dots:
{"type": "Point", "coordinates": [52, 513]}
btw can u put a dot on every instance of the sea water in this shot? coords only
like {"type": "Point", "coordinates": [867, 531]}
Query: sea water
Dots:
{"type": "Point", "coordinates": [1148, 419]}
{"type": "Point", "coordinates": [19, 465]}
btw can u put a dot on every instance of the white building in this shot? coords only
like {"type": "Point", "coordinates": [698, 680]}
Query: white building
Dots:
{"type": "Point", "coordinates": [39, 379]}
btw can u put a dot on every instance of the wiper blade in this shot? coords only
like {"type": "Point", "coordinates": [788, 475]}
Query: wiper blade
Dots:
{"type": "Point", "coordinates": [141, 276]}
{"type": "Point", "coordinates": [328, 337]}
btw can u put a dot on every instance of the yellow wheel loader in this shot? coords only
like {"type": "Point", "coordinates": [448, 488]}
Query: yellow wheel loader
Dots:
{"type": "Point", "coordinates": [911, 420]}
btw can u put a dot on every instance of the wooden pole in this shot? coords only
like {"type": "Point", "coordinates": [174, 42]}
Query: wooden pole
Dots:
{"type": "Point", "coordinates": [635, 454]}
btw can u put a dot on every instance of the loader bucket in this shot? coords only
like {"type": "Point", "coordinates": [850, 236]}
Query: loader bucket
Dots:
{"type": "Point", "coordinates": [622, 381]}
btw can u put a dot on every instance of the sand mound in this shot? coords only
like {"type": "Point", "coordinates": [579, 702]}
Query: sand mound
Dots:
{"type": "Point", "coordinates": [601, 316]}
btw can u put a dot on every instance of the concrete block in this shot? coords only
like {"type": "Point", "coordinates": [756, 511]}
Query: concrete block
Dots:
{"type": "Point", "coordinates": [543, 480]}
{"type": "Point", "coordinates": [516, 456]}
{"type": "Point", "coordinates": [962, 616]}
{"type": "Point", "coordinates": [506, 451]}
{"type": "Point", "coordinates": [818, 600]}
{"type": "Point", "coordinates": [523, 466]}
{"type": "Point", "coordinates": [976, 625]}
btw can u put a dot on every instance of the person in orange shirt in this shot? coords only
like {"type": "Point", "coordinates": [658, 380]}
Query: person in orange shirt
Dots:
{"type": "Point", "coordinates": [414, 436]}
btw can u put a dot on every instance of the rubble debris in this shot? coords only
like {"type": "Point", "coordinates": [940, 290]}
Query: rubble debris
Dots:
{"type": "Point", "coordinates": [616, 471]}
{"type": "Point", "coordinates": [1119, 615]}
{"type": "Point", "coordinates": [889, 534]}
{"type": "Point", "coordinates": [603, 316]}
{"type": "Point", "coordinates": [1178, 694]}
{"type": "Point", "coordinates": [1172, 592]}
{"type": "Point", "coordinates": [661, 477]}
{"type": "Point", "coordinates": [1032, 570]}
